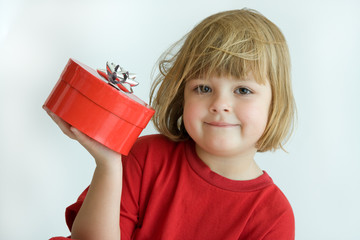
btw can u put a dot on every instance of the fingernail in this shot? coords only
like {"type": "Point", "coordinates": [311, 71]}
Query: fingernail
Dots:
{"type": "Point", "coordinates": [48, 110]}
{"type": "Point", "coordinates": [74, 130]}
{"type": "Point", "coordinates": [45, 108]}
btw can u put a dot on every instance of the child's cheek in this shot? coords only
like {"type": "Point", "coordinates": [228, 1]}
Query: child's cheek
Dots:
{"type": "Point", "coordinates": [253, 116]}
{"type": "Point", "coordinates": [188, 113]}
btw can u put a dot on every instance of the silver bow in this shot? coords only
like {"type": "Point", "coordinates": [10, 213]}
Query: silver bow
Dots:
{"type": "Point", "coordinates": [119, 77]}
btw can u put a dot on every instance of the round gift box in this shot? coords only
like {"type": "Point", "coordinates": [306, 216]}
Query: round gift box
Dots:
{"type": "Point", "coordinates": [86, 101]}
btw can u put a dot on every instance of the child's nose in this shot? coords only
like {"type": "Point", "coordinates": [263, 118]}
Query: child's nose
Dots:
{"type": "Point", "coordinates": [220, 104]}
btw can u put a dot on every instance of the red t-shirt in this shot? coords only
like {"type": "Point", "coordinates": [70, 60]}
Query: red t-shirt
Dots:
{"type": "Point", "coordinates": [169, 193]}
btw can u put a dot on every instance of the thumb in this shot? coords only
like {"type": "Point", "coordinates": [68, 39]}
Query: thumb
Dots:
{"type": "Point", "coordinates": [96, 149]}
{"type": "Point", "coordinates": [83, 139]}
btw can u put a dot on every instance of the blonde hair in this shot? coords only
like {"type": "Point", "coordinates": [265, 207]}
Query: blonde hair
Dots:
{"type": "Point", "coordinates": [230, 43]}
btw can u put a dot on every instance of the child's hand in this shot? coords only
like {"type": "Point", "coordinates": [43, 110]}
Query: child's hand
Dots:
{"type": "Point", "coordinates": [103, 155]}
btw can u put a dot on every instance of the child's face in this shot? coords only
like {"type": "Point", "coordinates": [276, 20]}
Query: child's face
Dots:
{"type": "Point", "coordinates": [226, 116]}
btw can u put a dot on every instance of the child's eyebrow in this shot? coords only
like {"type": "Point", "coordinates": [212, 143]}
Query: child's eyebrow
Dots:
{"type": "Point", "coordinates": [246, 79]}
{"type": "Point", "coordinates": [234, 79]}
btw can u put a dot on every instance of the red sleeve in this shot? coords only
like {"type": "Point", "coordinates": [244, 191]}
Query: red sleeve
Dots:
{"type": "Point", "coordinates": [129, 200]}
{"type": "Point", "coordinates": [283, 228]}
{"type": "Point", "coordinates": [72, 210]}
{"type": "Point", "coordinates": [71, 213]}
{"type": "Point", "coordinates": [273, 218]}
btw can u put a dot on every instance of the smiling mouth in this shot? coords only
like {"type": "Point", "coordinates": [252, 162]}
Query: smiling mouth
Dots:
{"type": "Point", "coordinates": [221, 124]}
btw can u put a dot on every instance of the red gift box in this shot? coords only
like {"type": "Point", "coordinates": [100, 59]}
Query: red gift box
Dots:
{"type": "Point", "coordinates": [85, 100]}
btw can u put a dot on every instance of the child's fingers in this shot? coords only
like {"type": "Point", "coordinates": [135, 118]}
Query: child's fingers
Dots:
{"type": "Point", "coordinates": [100, 152]}
{"type": "Point", "coordinates": [96, 149]}
{"type": "Point", "coordinates": [92, 146]}
{"type": "Point", "coordinates": [64, 126]}
{"type": "Point", "coordinates": [83, 139]}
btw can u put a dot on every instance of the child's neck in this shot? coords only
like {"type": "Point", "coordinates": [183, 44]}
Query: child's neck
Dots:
{"type": "Point", "coordinates": [234, 168]}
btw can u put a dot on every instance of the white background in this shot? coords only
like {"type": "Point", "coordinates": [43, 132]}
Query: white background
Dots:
{"type": "Point", "coordinates": [42, 171]}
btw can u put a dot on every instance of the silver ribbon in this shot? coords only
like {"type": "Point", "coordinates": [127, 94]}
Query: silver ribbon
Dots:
{"type": "Point", "coordinates": [118, 77]}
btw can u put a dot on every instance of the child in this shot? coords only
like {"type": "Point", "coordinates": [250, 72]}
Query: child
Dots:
{"type": "Point", "coordinates": [222, 97]}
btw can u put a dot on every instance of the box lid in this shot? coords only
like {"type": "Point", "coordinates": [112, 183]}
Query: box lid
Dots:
{"type": "Point", "coordinates": [88, 82]}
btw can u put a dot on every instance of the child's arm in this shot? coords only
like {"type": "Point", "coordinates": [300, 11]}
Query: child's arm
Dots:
{"type": "Point", "coordinates": [99, 215]}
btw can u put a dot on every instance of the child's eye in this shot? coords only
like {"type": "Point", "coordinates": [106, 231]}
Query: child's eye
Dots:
{"type": "Point", "coordinates": [202, 89]}
{"type": "Point", "coordinates": [243, 91]}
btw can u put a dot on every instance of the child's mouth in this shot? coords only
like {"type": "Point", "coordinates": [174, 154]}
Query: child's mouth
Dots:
{"type": "Point", "coordinates": [221, 124]}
